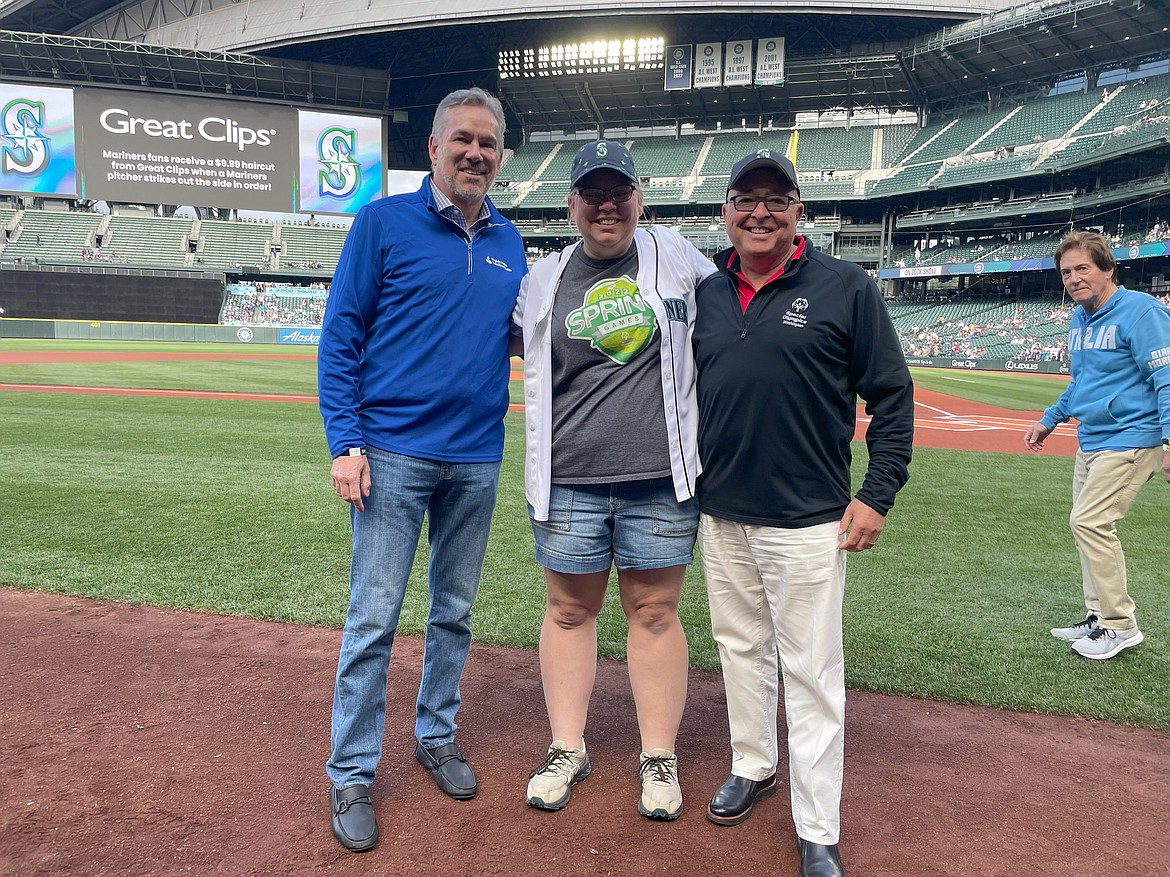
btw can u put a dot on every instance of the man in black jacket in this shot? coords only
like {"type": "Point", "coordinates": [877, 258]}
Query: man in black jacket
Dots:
{"type": "Point", "coordinates": [786, 339]}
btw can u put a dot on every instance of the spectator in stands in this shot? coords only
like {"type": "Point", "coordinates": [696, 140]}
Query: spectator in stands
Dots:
{"type": "Point", "coordinates": [611, 420]}
{"type": "Point", "coordinates": [1120, 394]}
{"type": "Point", "coordinates": [413, 382]}
{"type": "Point", "coordinates": [785, 340]}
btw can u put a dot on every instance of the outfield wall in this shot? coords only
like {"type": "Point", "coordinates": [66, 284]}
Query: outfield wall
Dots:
{"type": "Point", "coordinates": [991, 365]}
{"type": "Point", "coordinates": [113, 330]}
{"type": "Point", "coordinates": [50, 293]}
{"type": "Point", "coordinates": [104, 330]}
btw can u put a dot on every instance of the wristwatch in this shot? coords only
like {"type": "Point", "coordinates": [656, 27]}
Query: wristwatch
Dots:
{"type": "Point", "coordinates": [1166, 445]}
{"type": "Point", "coordinates": [353, 452]}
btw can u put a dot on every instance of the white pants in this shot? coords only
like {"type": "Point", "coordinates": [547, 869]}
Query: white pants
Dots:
{"type": "Point", "coordinates": [774, 590]}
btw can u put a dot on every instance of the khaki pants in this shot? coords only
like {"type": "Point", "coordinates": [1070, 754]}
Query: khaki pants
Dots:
{"type": "Point", "coordinates": [779, 591]}
{"type": "Point", "coordinates": [1105, 484]}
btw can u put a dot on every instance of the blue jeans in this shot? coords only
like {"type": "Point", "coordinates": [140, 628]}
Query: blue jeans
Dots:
{"type": "Point", "coordinates": [634, 524]}
{"type": "Point", "coordinates": [457, 499]}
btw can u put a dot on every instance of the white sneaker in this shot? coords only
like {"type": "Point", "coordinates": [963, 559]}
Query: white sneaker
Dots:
{"type": "Point", "coordinates": [661, 795]}
{"type": "Point", "coordinates": [1104, 643]}
{"type": "Point", "coordinates": [551, 784]}
{"type": "Point", "coordinates": [1078, 630]}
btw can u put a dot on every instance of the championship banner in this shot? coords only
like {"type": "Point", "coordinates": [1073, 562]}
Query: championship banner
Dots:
{"type": "Point", "coordinates": [37, 140]}
{"type": "Point", "coordinates": [341, 162]}
{"type": "Point", "coordinates": [709, 69]}
{"type": "Point", "coordinates": [180, 149]}
{"type": "Point", "coordinates": [737, 66]}
{"type": "Point", "coordinates": [770, 61]}
{"type": "Point", "coordinates": [680, 67]}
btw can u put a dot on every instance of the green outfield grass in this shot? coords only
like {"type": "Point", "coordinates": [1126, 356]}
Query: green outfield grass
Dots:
{"type": "Point", "coordinates": [229, 348]}
{"type": "Point", "coordinates": [1005, 389]}
{"type": "Point", "coordinates": [229, 375]}
{"type": "Point", "coordinates": [225, 506]}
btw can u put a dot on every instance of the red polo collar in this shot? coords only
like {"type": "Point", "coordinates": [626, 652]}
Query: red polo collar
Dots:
{"type": "Point", "coordinates": [744, 286]}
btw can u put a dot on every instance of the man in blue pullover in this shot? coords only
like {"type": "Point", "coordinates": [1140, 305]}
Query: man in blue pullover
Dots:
{"type": "Point", "coordinates": [1119, 341]}
{"type": "Point", "coordinates": [413, 381]}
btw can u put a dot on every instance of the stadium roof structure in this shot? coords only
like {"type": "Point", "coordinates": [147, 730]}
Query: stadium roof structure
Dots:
{"type": "Point", "coordinates": [74, 60]}
{"type": "Point", "coordinates": [1008, 52]}
{"type": "Point", "coordinates": [400, 57]}
{"type": "Point", "coordinates": [259, 24]}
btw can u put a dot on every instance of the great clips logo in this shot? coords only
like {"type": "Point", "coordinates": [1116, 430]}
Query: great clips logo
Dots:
{"type": "Point", "coordinates": [213, 129]}
{"type": "Point", "coordinates": [342, 173]}
{"type": "Point", "coordinates": [25, 148]}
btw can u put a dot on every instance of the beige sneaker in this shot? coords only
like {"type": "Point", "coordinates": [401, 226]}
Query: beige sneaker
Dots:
{"type": "Point", "coordinates": [661, 794]}
{"type": "Point", "coordinates": [551, 784]}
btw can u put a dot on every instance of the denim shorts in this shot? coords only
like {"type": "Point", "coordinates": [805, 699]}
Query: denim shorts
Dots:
{"type": "Point", "coordinates": [635, 524]}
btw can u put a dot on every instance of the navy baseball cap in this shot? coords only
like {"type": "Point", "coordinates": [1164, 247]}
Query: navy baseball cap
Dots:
{"type": "Point", "coordinates": [602, 154]}
{"type": "Point", "coordinates": [769, 158]}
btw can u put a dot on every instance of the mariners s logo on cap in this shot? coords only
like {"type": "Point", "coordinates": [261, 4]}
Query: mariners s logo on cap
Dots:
{"type": "Point", "coordinates": [602, 154]}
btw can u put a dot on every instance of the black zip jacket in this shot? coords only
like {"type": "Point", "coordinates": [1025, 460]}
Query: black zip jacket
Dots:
{"type": "Point", "coordinates": [778, 390]}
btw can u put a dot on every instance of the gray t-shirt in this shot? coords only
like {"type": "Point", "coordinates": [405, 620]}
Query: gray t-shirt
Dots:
{"type": "Point", "coordinates": [608, 422]}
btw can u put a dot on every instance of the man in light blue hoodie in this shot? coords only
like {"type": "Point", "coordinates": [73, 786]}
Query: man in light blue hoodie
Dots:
{"type": "Point", "coordinates": [1119, 341]}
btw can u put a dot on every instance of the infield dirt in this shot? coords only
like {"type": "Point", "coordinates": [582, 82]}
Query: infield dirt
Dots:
{"type": "Point", "coordinates": [138, 741]}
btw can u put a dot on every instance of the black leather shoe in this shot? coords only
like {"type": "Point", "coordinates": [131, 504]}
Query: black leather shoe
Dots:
{"type": "Point", "coordinates": [733, 801]}
{"type": "Point", "coordinates": [450, 769]}
{"type": "Point", "coordinates": [819, 860]}
{"type": "Point", "coordinates": [354, 823]}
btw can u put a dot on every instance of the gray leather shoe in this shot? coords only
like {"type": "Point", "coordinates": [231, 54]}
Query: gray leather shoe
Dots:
{"type": "Point", "coordinates": [450, 769]}
{"type": "Point", "coordinates": [354, 823]}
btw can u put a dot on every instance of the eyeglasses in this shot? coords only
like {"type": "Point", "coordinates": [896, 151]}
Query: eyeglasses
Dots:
{"type": "Point", "coordinates": [618, 195]}
{"type": "Point", "coordinates": [773, 203]}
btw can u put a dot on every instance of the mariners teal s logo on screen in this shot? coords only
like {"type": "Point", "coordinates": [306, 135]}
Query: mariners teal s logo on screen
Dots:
{"type": "Point", "coordinates": [342, 174]}
{"type": "Point", "coordinates": [25, 148]}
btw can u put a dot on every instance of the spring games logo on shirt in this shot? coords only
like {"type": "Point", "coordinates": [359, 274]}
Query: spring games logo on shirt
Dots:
{"type": "Point", "coordinates": [614, 319]}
